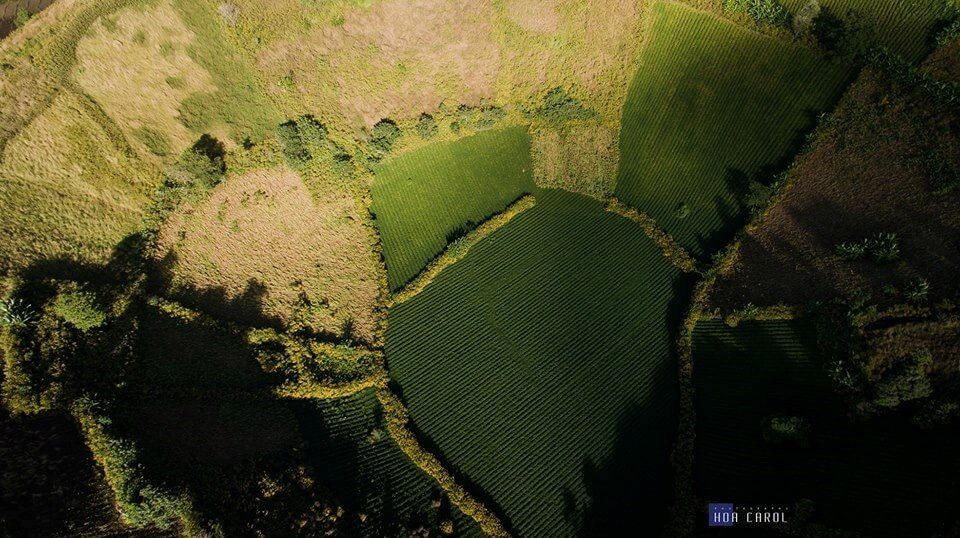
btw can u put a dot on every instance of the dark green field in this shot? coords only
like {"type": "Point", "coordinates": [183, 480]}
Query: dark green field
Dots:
{"type": "Point", "coordinates": [540, 367]}
{"type": "Point", "coordinates": [697, 128]}
{"type": "Point", "coordinates": [425, 199]}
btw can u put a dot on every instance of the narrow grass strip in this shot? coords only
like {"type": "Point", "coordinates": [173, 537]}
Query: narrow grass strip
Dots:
{"type": "Point", "coordinates": [458, 249]}
{"type": "Point", "coordinates": [397, 418]}
{"type": "Point", "coordinates": [677, 255]}
{"type": "Point", "coordinates": [318, 391]}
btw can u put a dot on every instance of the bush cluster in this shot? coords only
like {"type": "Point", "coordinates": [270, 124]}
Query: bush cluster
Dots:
{"type": "Point", "coordinates": [307, 362]}
{"type": "Point", "coordinates": [765, 12]}
{"type": "Point", "coordinates": [904, 72]}
{"type": "Point", "coordinates": [559, 107]}
{"type": "Point", "coordinates": [382, 138]}
{"type": "Point", "coordinates": [882, 248]}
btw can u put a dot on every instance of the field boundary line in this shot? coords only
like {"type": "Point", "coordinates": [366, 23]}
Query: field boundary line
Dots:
{"type": "Point", "coordinates": [672, 250]}
{"type": "Point", "coordinates": [398, 417]}
{"type": "Point", "coordinates": [331, 391]}
{"type": "Point", "coordinates": [458, 249]}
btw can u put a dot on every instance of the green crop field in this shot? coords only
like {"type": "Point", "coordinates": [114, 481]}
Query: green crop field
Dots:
{"type": "Point", "coordinates": [860, 475]}
{"type": "Point", "coordinates": [424, 199]}
{"type": "Point", "coordinates": [541, 368]}
{"type": "Point", "coordinates": [711, 106]}
{"type": "Point", "coordinates": [903, 26]}
{"type": "Point", "coordinates": [356, 458]}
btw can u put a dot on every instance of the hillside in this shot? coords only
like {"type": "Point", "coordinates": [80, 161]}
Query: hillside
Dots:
{"type": "Point", "coordinates": [479, 268]}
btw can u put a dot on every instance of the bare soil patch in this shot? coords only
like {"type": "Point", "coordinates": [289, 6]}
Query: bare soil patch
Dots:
{"type": "Point", "coordinates": [869, 176]}
{"type": "Point", "coordinates": [260, 250]}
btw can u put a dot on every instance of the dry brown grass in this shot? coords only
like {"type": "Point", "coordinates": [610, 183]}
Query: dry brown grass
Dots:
{"type": "Point", "coordinates": [393, 59]}
{"type": "Point", "coordinates": [263, 231]}
{"type": "Point", "coordinates": [139, 71]}
{"type": "Point", "coordinates": [67, 190]}
{"type": "Point", "coordinates": [541, 16]}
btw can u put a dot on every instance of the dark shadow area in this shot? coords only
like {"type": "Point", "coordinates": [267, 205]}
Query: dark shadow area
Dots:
{"type": "Point", "coordinates": [881, 476]}
{"type": "Point", "coordinates": [246, 308]}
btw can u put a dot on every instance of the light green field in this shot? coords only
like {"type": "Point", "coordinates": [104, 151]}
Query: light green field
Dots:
{"type": "Point", "coordinates": [427, 198]}
{"type": "Point", "coordinates": [541, 367]}
{"type": "Point", "coordinates": [713, 104]}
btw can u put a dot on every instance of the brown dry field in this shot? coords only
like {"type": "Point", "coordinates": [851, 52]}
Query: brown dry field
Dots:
{"type": "Point", "coordinates": [944, 62]}
{"type": "Point", "coordinates": [390, 60]}
{"type": "Point", "coordinates": [260, 242]}
{"type": "Point", "coordinates": [860, 181]}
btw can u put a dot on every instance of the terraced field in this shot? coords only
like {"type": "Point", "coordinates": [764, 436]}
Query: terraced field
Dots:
{"type": "Point", "coordinates": [540, 367]}
{"type": "Point", "coordinates": [861, 475]}
{"type": "Point", "coordinates": [372, 475]}
{"type": "Point", "coordinates": [903, 26]}
{"type": "Point", "coordinates": [697, 125]}
{"type": "Point", "coordinates": [424, 199]}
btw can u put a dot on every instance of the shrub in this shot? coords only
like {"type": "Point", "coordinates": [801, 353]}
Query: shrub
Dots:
{"type": "Point", "coordinates": [294, 149]}
{"type": "Point", "coordinates": [16, 313]}
{"type": "Point", "coordinates": [786, 430]}
{"type": "Point", "coordinates": [426, 126]}
{"type": "Point", "coordinates": [758, 195]}
{"type": "Point", "coordinates": [204, 161]}
{"type": "Point", "coordinates": [385, 133]}
{"type": "Point", "coordinates": [81, 309]}
{"type": "Point", "coordinates": [766, 12]}
{"type": "Point", "coordinates": [156, 141]}
{"type": "Point", "coordinates": [882, 248]}
{"type": "Point", "coordinates": [489, 116]}
{"type": "Point", "coordinates": [683, 211]}
{"type": "Point", "coordinates": [21, 18]}
{"type": "Point", "coordinates": [949, 34]}
{"type": "Point", "coordinates": [917, 290]}
{"type": "Point", "coordinates": [905, 382]}
{"type": "Point", "coordinates": [560, 107]}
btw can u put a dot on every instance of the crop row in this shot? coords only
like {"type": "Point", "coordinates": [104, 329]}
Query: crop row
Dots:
{"type": "Point", "coordinates": [425, 199]}
{"type": "Point", "coordinates": [713, 110]}
{"type": "Point", "coordinates": [543, 357]}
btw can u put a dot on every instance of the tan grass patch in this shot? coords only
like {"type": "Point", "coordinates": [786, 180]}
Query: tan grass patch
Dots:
{"type": "Point", "coordinates": [263, 231]}
{"type": "Point", "coordinates": [534, 15]}
{"type": "Point", "coordinates": [580, 158]}
{"type": "Point", "coordinates": [394, 59]}
{"type": "Point", "coordinates": [139, 71]}
{"type": "Point", "coordinates": [67, 190]}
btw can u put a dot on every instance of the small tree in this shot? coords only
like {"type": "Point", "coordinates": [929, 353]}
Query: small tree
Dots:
{"type": "Point", "coordinates": [21, 18]}
{"type": "Point", "coordinates": [427, 126]}
{"type": "Point", "coordinates": [81, 309]}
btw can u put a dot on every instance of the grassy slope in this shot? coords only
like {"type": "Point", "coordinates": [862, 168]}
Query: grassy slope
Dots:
{"type": "Point", "coordinates": [69, 189]}
{"type": "Point", "coordinates": [860, 475]}
{"type": "Point", "coordinates": [711, 104]}
{"type": "Point", "coordinates": [539, 365]}
{"type": "Point", "coordinates": [424, 199]}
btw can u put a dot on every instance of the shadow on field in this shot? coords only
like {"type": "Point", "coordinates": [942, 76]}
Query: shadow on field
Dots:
{"type": "Point", "coordinates": [246, 308]}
